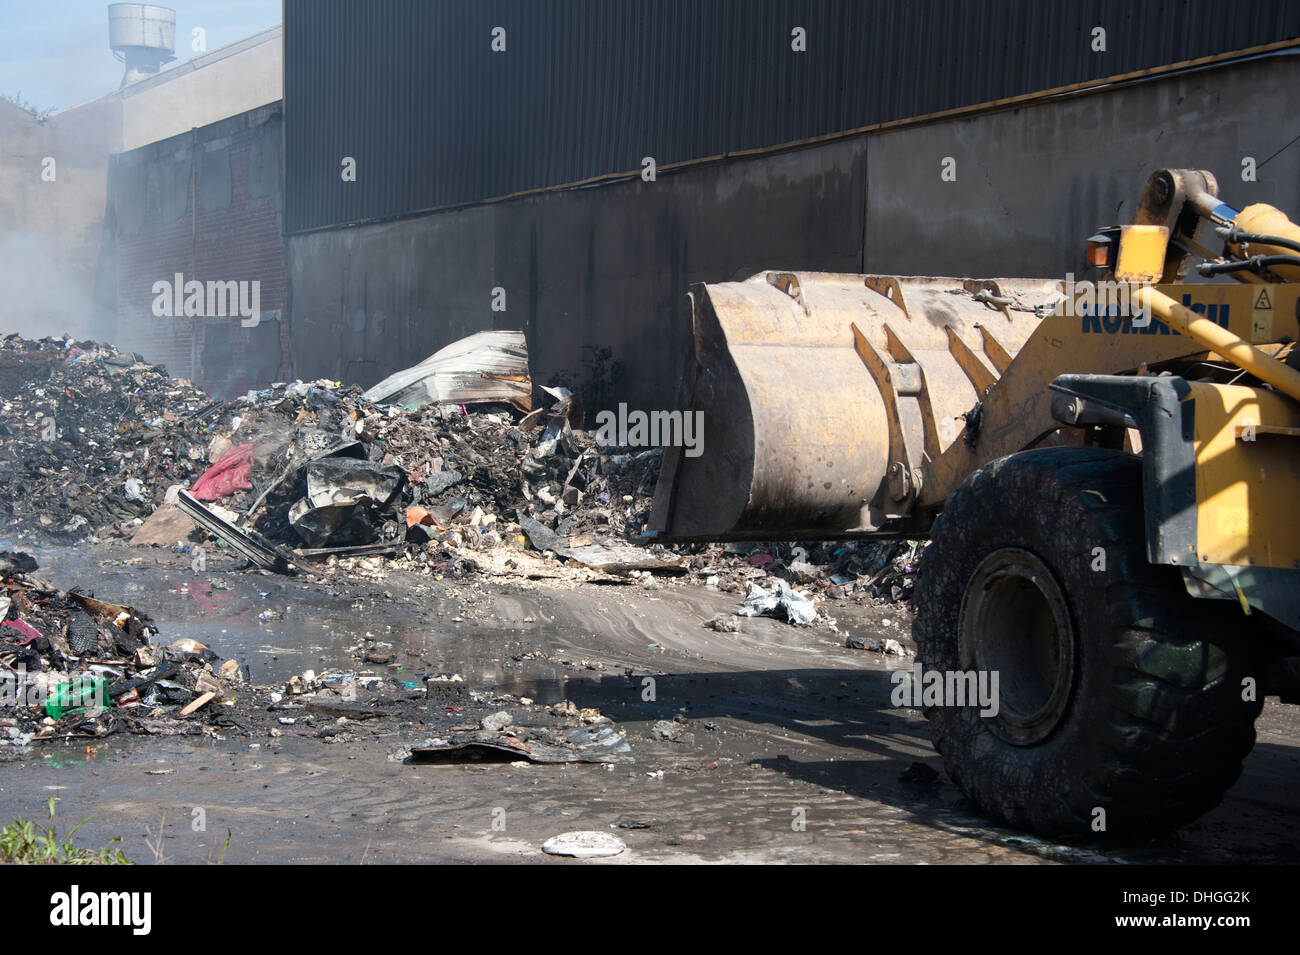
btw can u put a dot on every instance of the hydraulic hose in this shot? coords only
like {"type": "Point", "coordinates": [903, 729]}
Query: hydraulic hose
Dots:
{"type": "Point", "coordinates": [1220, 341]}
{"type": "Point", "coordinates": [1256, 264]}
{"type": "Point", "coordinates": [1236, 236]}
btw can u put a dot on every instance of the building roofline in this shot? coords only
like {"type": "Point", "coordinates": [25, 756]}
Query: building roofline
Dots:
{"type": "Point", "coordinates": [270, 34]}
{"type": "Point", "coordinates": [206, 59]}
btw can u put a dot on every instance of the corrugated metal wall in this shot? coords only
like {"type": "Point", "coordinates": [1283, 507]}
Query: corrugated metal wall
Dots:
{"type": "Point", "coordinates": [412, 90]}
{"type": "Point", "coordinates": [206, 204]}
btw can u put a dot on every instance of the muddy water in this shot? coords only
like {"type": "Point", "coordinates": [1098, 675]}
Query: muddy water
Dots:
{"type": "Point", "coordinates": [790, 752]}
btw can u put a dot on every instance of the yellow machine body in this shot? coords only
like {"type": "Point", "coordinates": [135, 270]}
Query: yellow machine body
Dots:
{"type": "Point", "coordinates": [1247, 448]}
{"type": "Point", "coordinates": [854, 405]}
{"type": "Point", "coordinates": [842, 402]}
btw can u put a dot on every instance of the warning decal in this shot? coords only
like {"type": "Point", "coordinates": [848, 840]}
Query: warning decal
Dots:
{"type": "Point", "coordinates": [1261, 317]}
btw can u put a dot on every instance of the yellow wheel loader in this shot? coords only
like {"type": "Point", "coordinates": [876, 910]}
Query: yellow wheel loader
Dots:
{"type": "Point", "coordinates": [1108, 471]}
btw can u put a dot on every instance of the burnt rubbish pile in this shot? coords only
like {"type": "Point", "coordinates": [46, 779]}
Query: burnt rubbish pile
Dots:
{"type": "Point", "coordinates": [86, 434]}
{"type": "Point", "coordinates": [96, 443]}
{"type": "Point", "coordinates": [465, 477]}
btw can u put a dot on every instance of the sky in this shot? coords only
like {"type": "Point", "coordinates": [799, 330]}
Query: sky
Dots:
{"type": "Point", "coordinates": [55, 53]}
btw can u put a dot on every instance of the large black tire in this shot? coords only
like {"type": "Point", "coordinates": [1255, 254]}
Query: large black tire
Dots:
{"type": "Point", "coordinates": [1118, 691]}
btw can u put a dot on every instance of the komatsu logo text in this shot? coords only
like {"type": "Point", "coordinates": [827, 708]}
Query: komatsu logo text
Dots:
{"type": "Point", "coordinates": [1111, 320]}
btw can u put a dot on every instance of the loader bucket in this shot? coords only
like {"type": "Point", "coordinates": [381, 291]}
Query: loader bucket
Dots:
{"type": "Point", "coordinates": [822, 394]}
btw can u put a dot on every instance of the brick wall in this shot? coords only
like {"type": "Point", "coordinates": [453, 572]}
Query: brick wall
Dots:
{"type": "Point", "coordinates": [207, 205]}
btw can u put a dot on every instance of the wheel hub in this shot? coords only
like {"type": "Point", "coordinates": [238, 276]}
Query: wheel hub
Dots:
{"type": "Point", "coordinates": [1015, 621]}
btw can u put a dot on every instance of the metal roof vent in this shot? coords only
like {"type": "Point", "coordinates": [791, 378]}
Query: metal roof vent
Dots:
{"type": "Point", "coordinates": [143, 37]}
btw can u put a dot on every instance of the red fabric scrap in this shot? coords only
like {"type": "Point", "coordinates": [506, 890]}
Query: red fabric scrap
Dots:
{"type": "Point", "coordinates": [228, 475]}
{"type": "Point", "coordinates": [23, 627]}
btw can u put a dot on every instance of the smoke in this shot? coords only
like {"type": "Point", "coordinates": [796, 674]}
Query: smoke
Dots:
{"type": "Point", "coordinates": [44, 288]}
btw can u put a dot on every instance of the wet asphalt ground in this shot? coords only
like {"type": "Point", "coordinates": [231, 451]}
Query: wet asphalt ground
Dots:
{"type": "Point", "coordinates": [791, 750]}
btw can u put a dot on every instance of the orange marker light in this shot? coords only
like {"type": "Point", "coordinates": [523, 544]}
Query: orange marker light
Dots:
{"type": "Point", "coordinates": [1099, 252]}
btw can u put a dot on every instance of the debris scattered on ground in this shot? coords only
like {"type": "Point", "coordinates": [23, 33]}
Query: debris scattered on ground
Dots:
{"type": "Point", "coordinates": [247, 542]}
{"type": "Point", "coordinates": [599, 743]}
{"type": "Point", "coordinates": [888, 646]}
{"type": "Point", "coordinates": [446, 689]}
{"type": "Point", "coordinates": [724, 623]}
{"type": "Point", "coordinates": [778, 600]}
{"type": "Point", "coordinates": [668, 729]}
{"type": "Point", "coordinates": [77, 666]}
{"type": "Point", "coordinates": [562, 733]}
{"type": "Point", "coordinates": [584, 845]}
{"type": "Point", "coordinates": [74, 665]}
{"type": "Point", "coordinates": [564, 708]}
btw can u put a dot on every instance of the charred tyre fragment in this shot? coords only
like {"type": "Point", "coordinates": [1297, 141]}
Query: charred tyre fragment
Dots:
{"type": "Point", "coordinates": [1117, 690]}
